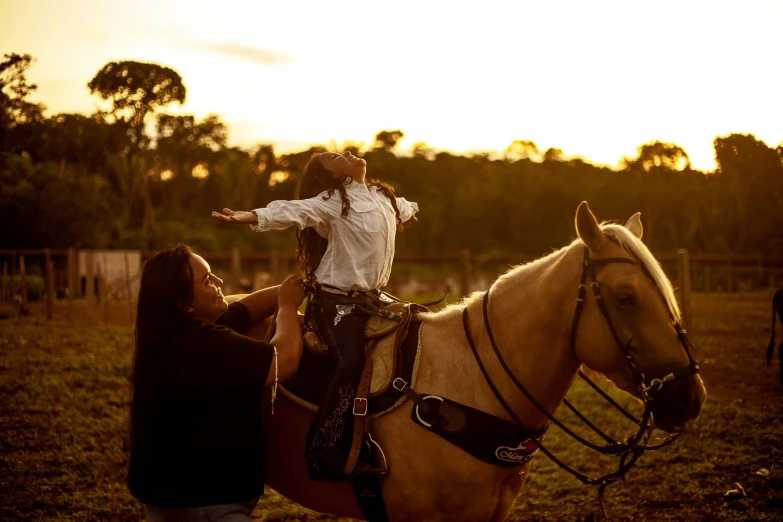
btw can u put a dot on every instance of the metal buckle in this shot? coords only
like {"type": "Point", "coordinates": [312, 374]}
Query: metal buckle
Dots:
{"type": "Point", "coordinates": [657, 384]}
{"type": "Point", "coordinates": [402, 384]}
{"type": "Point", "coordinates": [359, 400]}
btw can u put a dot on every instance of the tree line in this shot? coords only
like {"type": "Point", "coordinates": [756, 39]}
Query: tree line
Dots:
{"type": "Point", "coordinates": [133, 176]}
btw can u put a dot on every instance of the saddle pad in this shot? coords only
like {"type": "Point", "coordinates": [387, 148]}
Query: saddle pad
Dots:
{"type": "Point", "coordinates": [308, 385]}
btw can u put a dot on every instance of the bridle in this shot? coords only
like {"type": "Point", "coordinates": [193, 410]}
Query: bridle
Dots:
{"type": "Point", "coordinates": [630, 449]}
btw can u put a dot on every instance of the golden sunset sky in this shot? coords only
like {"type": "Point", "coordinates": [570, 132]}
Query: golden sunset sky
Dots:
{"type": "Point", "coordinates": [593, 78]}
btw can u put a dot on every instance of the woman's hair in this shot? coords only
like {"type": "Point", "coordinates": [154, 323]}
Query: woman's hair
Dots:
{"type": "Point", "coordinates": [165, 294]}
{"type": "Point", "coordinates": [314, 180]}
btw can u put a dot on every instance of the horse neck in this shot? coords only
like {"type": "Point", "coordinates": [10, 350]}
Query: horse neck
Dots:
{"type": "Point", "coordinates": [530, 313]}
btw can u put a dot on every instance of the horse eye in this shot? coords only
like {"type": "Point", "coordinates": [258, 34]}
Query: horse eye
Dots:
{"type": "Point", "coordinates": [626, 300]}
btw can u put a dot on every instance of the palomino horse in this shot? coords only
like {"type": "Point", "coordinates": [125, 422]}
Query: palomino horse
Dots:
{"type": "Point", "coordinates": [531, 313]}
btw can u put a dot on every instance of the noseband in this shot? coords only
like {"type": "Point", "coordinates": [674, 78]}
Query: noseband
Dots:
{"type": "Point", "coordinates": [645, 388]}
{"type": "Point", "coordinates": [630, 449]}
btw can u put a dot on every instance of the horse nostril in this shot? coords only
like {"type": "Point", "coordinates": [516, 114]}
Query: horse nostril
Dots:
{"type": "Point", "coordinates": [690, 397]}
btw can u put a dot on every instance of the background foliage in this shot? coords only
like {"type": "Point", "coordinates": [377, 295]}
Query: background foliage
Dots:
{"type": "Point", "coordinates": [133, 176]}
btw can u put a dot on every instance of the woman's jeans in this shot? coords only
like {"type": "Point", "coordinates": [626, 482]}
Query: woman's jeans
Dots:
{"type": "Point", "coordinates": [340, 325]}
{"type": "Point", "coordinates": [238, 512]}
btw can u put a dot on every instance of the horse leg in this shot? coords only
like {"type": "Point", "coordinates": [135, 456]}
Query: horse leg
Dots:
{"type": "Point", "coordinates": [508, 493]}
{"type": "Point", "coordinates": [780, 358]}
{"type": "Point", "coordinates": [434, 481]}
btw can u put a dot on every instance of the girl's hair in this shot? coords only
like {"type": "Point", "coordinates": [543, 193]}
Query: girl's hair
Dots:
{"type": "Point", "coordinates": [166, 293]}
{"type": "Point", "coordinates": [314, 180]}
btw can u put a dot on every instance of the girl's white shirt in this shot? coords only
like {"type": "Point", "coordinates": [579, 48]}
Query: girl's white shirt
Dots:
{"type": "Point", "coordinates": [361, 245]}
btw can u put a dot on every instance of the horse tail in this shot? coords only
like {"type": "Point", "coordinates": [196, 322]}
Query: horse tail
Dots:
{"type": "Point", "coordinates": [777, 301]}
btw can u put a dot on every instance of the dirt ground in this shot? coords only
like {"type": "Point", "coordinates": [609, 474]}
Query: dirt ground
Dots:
{"type": "Point", "coordinates": [63, 419]}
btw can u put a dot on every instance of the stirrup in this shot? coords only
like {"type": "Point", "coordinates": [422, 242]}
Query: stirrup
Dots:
{"type": "Point", "coordinates": [374, 453]}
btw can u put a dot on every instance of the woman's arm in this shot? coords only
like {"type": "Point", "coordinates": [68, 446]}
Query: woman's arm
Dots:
{"type": "Point", "coordinates": [261, 304]}
{"type": "Point", "coordinates": [288, 333]}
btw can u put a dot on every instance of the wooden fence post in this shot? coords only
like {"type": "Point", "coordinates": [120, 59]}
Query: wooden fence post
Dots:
{"type": "Point", "coordinates": [103, 291]}
{"type": "Point", "coordinates": [5, 275]}
{"type": "Point", "coordinates": [464, 271]}
{"type": "Point", "coordinates": [13, 275]}
{"type": "Point", "coordinates": [761, 274]}
{"type": "Point", "coordinates": [236, 270]}
{"type": "Point", "coordinates": [684, 278]}
{"type": "Point", "coordinates": [128, 290]}
{"type": "Point", "coordinates": [49, 266]}
{"type": "Point", "coordinates": [71, 280]}
{"type": "Point", "coordinates": [728, 279]}
{"type": "Point", "coordinates": [90, 287]}
{"type": "Point", "coordinates": [707, 278]}
{"type": "Point", "coordinates": [23, 280]}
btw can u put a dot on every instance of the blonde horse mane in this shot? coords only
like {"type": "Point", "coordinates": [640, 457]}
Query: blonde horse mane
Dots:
{"type": "Point", "coordinates": [618, 233]}
{"type": "Point", "coordinates": [634, 246]}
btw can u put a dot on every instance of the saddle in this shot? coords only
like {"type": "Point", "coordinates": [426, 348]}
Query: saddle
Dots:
{"type": "Point", "coordinates": [391, 347]}
{"type": "Point", "coordinates": [383, 342]}
{"type": "Point", "coordinates": [391, 351]}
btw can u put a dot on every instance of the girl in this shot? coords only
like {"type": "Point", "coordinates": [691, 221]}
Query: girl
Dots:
{"type": "Point", "coordinates": [346, 230]}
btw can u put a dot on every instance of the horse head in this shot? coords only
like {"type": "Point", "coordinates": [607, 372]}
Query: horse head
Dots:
{"type": "Point", "coordinates": [632, 334]}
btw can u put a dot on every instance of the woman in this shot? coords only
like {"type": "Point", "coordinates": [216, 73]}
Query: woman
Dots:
{"type": "Point", "coordinates": [346, 231]}
{"type": "Point", "coordinates": [196, 420]}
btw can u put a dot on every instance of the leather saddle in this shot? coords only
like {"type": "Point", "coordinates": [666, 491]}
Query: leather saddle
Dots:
{"type": "Point", "coordinates": [393, 347]}
{"type": "Point", "coordinates": [383, 340]}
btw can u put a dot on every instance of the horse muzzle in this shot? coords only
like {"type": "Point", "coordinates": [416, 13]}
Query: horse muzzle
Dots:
{"type": "Point", "coordinates": [677, 403]}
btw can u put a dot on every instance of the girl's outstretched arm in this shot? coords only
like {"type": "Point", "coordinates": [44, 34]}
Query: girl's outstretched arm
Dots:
{"type": "Point", "coordinates": [238, 216]}
{"type": "Point", "coordinates": [280, 215]}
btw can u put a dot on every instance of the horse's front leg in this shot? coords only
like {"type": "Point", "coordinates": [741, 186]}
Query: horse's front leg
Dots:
{"type": "Point", "coordinates": [509, 491]}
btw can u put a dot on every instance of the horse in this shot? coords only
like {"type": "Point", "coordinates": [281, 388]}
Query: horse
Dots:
{"type": "Point", "coordinates": [777, 307]}
{"type": "Point", "coordinates": [531, 313]}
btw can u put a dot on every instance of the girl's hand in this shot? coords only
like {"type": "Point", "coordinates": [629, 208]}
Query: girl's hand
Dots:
{"type": "Point", "coordinates": [240, 216]}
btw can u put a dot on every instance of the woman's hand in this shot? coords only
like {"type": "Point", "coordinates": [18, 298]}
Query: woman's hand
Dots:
{"type": "Point", "coordinates": [291, 292]}
{"type": "Point", "coordinates": [240, 216]}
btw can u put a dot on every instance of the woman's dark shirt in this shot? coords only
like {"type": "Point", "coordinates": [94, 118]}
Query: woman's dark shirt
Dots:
{"type": "Point", "coordinates": [203, 443]}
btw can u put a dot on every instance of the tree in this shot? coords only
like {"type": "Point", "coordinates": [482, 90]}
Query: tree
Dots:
{"type": "Point", "coordinates": [752, 175]}
{"type": "Point", "coordinates": [388, 140]}
{"type": "Point", "coordinates": [655, 171]}
{"type": "Point", "coordinates": [422, 150]}
{"type": "Point", "coordinates": [182, 144]}
{"type": "Point", "coordinates": [659, 155]}
{"type": "Point", "coordinates": [15, 109]}
{"type": "Point", "coordinates": [522, 149]}
{"type": "Point", "coordinates": [53, 205]}
{"type": "Point", "coordinates": [135, 90]}
{"type": "Point", "coordinates": [553, 154]}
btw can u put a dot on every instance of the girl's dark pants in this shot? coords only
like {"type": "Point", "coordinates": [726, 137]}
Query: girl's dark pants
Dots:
{"type": "Point", "coordinates": [341, 325]}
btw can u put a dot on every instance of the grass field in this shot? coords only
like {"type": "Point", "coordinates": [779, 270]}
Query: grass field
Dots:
{"type": "Point", "coordinates": [63, 417]}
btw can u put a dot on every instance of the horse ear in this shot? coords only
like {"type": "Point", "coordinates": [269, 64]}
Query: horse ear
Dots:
{"type": "Point", "coordinates": [635, 225]}
{"type": "Point", "coordinates": [587, 228]}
